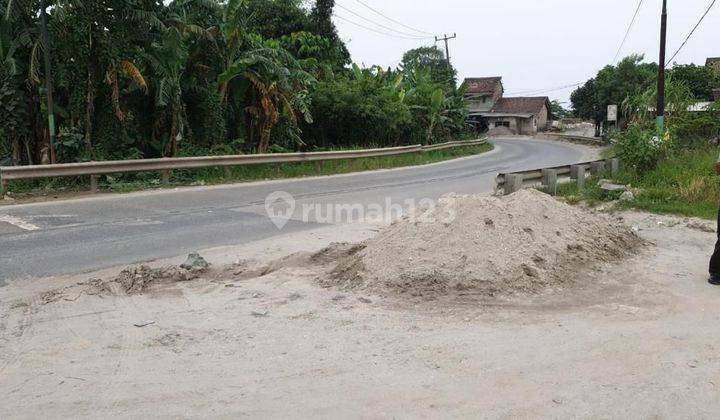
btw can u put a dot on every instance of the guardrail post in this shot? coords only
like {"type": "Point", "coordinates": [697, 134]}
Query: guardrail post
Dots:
{"type": "Point", "coordinates": [4, 185]}
{"type": "Point", "coordinates": [613, 166]}
{"type": "Point", "coordinates": [94, 183]}
{"type": "Point", "coordinates": [574, 169]}
{"type": "Point", "coordinates": [227, 171]}
{"type": "Point", "coordinates": [165, 177]}
{"type": "Point", "coordinates": [318, 166]}
{"type": "Point", "coordinates": [580, 176]}
{"type": "Point", "coordinates": [513, 183]}
{"type": "Point", "coordinates": [545, 176]}
{"type": "Point", "coordinates": [597, 168]}
{"type": "Point", "coordinates": [550, 178]}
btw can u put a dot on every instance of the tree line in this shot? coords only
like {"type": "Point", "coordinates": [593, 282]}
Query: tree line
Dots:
{"type": "Point", "coordinates": [633, 80]}
{"type": "Point", "coordinates": [142, 78]}
{"type": "Point", "coordinates": [691, 118]}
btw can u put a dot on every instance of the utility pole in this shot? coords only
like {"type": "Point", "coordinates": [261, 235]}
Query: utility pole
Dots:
{"type": "Point", "coordinates": [447, 47]}
{"type": "Point", "coordinates": [48, 78]}
{"type": "Point", "coordinates": [661, 74]}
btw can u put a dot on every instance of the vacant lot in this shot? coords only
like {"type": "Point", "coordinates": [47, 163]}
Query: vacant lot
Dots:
{"type": "Point", "coordinates": [259, 337]}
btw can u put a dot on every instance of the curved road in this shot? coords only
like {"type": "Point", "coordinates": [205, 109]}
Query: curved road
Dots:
{"type": "Point", "coordinates": [81, 235]}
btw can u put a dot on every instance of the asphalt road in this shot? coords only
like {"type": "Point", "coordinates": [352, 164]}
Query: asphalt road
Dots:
{"type": "Point", "coordinates": [81, 235]}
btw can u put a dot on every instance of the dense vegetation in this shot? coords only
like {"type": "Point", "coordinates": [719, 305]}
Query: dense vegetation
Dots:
{"type": "Point", "coordinates": [147, 78]}
{"type": "Point", "coordinates": [672, 174]}
{"type": "Point", "coordinates": [632, 77]}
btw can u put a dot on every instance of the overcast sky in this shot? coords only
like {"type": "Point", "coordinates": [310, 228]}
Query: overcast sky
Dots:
{"type": "Point", "coordinates": [532, 44]}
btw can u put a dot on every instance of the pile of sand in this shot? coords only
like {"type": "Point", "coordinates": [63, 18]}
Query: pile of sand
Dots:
{"type": "Point", "coordinates": [519, 243]}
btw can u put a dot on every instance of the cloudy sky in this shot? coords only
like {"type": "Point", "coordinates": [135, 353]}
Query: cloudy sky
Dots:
{"type": "Point", "coordinates": [534, 44]}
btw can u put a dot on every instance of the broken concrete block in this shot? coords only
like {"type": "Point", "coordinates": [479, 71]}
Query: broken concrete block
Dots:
{"type": "Point", "coordinates": [195, 262]}
{"type": "Point", "coordinates": [627, 196]}
{"type": "Point", "coordinates": [607, 186]}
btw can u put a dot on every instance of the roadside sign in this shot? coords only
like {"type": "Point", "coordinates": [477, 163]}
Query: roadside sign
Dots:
{"type": "Point", "coordinates": [612, 113]}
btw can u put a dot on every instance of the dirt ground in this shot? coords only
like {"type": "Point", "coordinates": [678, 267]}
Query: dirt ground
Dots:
{"type": "Point", "coordinates": [635, 339]}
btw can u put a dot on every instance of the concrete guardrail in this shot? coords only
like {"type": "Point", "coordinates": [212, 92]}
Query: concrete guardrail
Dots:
{"type": "Point", "coordinates": [549, 177]}
{"type": "Point", "coordinates": [560, 136]}
{"type": "Point", "coordinates": [165, 165]}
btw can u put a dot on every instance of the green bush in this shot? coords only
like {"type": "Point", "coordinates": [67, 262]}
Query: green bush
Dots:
{"type": "Point", "coordinates": [639, 148]}
{"type": "Point", "coordinates": [695, 128]}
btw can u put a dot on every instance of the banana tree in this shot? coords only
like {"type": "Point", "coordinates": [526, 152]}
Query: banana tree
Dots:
{"type": "Point", "coordinates": [168, 61]}
{"type": "Point", "coordinates": [13, 101]}
{"type": "Point", "coordinates": [440, 112]}
{"type": "Point", "coordinates": [232, 39]}
{"type": "Point", "coordinates": [439, 107]}
{"type": "Point", "coordinates": [276, 85]}
{"type": "Point", "coordinates": [437, 113]}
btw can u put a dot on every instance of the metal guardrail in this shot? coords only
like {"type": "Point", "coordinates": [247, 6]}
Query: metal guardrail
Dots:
{"type": "Point", "coordinates": [513, 181]}
{"type": "Point", "coordinates": [97, 168]}
{"type": "Point", "coordinates": [453, 144]}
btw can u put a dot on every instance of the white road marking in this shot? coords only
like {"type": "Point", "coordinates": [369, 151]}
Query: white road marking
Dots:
{"type": "Point", "coordinates": [17, 222]}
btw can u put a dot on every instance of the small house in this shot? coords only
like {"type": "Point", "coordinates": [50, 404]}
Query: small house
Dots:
{"type": "Point", "coordinates": [523, 115]}
{"type": "Point", "coordinates": [482, 93]}
{"type": "Point", "coordinates": [713, 62]}
{"type": "Point", "coordinates": [489, 109]}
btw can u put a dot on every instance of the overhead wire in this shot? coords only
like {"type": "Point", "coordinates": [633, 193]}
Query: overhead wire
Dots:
{"type": "Point", "coordinates": [691, 32]}
{"type": "Point", "coordinates": [546, 90]}
{"type": "Point", "coordinates": [378, 24]}
{"type": "Point", "coordinates": [629, 29]}
{"type": "Point", "coordinates": [617, 54]}
{"type": "Point", "coordinates": [379, 13]}
{"type": "Point", "coordinates": [378, 31]}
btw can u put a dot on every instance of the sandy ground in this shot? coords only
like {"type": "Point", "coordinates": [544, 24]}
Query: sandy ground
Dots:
{"type": "Point", "coordinates": [637, 339]}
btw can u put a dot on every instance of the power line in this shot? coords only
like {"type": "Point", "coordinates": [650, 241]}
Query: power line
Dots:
{"type": "Point", "coordinates": [547, 90]}
{"type": "Point", "coordinates": [629, 29]}
{"type": "Point", "coordinates": [393, 20]}
{"type": "Point", "coordinates": [378, 24]}
{"type": "Point", "coordinates": [377, 31]}
{"type": "Point", "coordinates": [691, 32]}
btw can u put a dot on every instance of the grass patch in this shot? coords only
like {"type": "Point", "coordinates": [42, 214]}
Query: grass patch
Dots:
{"type": "Point", "coordinates": [685, 184]}
{"type": "Point", "coordinates": [123, 183]}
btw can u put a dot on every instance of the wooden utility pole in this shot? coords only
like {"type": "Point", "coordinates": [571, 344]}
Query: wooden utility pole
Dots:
{"type": "Point", "coordinates": [48, 78]}
{"type": "Point", "coordinates": [661, 74]}
{"type": "Point", "coordinates": [447, 47]}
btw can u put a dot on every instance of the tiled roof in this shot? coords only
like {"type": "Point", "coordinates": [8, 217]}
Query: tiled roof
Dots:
{"type": "Point", "coordinates": [483, 84]}
{"type": "Point", "coordinates": [522, 105]}
{"type": "Point", "coordinates": [712, 60]}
